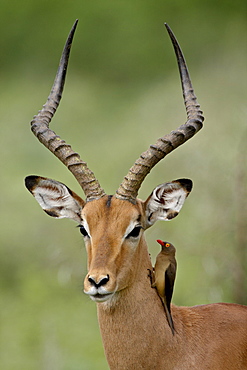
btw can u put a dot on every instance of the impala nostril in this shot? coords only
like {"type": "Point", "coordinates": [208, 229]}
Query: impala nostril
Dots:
{"type": "Point", "coordinates": [98, 282]}
{"type": "Point", "coordinates": [104, 280]}
{"type": "Point", "coordinates": [91, 281]}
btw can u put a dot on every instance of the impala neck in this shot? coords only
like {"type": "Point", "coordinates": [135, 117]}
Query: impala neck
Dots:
{"type": "Point", "coordinates": [137, 313]}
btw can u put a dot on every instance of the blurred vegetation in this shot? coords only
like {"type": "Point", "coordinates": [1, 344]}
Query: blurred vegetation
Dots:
{"type": "Point", "coordinates": [122, 92]}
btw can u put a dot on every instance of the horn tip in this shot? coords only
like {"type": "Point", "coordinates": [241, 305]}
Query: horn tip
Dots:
{"type": "Point", "coordinates": [167, 26]}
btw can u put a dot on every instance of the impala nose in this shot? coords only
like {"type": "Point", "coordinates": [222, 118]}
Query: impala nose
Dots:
{"type": "Point", "coordinates": [97, 282]}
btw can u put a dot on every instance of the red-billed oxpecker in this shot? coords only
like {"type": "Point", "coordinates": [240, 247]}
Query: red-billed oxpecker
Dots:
{"type": "Point", "coordinates": [165, 273]}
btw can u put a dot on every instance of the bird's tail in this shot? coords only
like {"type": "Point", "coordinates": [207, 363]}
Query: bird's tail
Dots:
{"type": "Point", "coordinates": [169, 317]}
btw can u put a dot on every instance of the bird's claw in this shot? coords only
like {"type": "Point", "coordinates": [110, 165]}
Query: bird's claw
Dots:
{"type": "Point", "coordinates": [150, 275]}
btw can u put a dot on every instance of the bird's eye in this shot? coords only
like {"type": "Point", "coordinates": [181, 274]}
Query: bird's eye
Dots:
{"type": "Point", "coordinates": [134, 233]}
{"type": "Point", "coordinates": [83, 230]}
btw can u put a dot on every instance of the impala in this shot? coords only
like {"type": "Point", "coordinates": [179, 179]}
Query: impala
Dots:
{"type": "Point", "coordinates": [131, 316]}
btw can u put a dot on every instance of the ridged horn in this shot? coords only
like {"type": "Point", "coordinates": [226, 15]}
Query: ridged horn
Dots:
{"type": "Point", "coordinates": [131, 183]}
{"type": "Point", "coordinates": [63, 151]}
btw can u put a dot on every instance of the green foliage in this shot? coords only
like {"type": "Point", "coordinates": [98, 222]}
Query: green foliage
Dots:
{"type": "Point", "coordinates": [117, 41]}
{"type": "Point", "coordinates": [122, 92]}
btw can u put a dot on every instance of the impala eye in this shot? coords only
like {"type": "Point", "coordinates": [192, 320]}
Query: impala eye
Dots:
{"type": "Point", "coordinates": [134, 233]}
{"type": "Point", "coordinates": [83, 230]}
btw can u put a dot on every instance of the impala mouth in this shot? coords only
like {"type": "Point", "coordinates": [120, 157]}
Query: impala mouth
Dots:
{"type": "Point", "coordinates": [100, 297]}
{"type": "Point", "coordinates": [100, 293]}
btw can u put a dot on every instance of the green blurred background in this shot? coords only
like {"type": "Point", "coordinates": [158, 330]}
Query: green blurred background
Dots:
{"type": "Point", "coordinates": [122, 93]}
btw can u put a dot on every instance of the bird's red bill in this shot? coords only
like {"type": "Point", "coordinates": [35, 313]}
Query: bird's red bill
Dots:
{"type": "Point", "coordinates": [163, 243]}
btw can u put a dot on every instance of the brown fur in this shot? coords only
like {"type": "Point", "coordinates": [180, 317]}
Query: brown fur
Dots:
{"type": "Point", "coordinates": [132, 320]}
{"type": "Point", "coordinates": [134, 329]}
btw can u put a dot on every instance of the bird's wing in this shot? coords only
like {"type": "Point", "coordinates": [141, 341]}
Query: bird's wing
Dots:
{"type": "Point", "coordinates": [170, 275]}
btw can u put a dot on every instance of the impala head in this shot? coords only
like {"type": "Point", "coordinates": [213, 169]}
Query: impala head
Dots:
{"type": "Point", "coordinates": [112, 226]}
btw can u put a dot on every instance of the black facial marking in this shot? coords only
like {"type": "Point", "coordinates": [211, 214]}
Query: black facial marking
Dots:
{"type": "Point", "coordinates": [171, 215]}
{"type": "Point", "coordinates": [108, 203]}
{"type": "Point", "coordinates": [70, 191]}
{"type": "Point", "coordinates": [31, 182]}
{"type": "Point", "coordinates": [187, 184]}
{"type": "Point", "coordinates": [51, 212]}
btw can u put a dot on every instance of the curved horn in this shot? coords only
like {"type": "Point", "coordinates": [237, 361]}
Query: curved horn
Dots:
{"type": "Point", "coordinates": [63, 151]}
{"type": "Point", "coordinates": [130, 185]}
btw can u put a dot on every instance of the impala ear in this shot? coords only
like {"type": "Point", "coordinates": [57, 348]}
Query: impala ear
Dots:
{"type": "Point", "coordinates": [56, 199]}
{"type": "Point", "coordinates": [166, 200]}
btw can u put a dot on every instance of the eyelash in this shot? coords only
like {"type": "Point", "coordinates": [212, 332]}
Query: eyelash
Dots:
{"type": "Point", "coordinates": [134, 233]}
